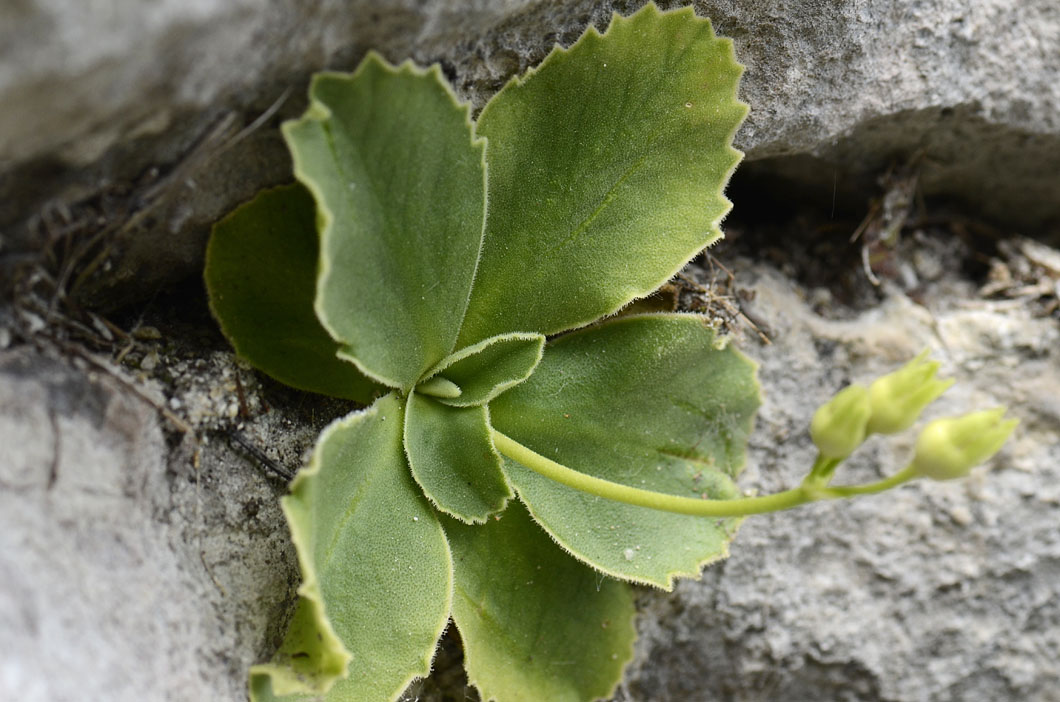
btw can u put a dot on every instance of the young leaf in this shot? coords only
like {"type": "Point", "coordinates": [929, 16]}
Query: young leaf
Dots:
{"type": "Point", "coordinates": [536, 624]}
{"type": "Point", "coordinates": [649, 401]}
{"type": "Point", "coordinates": [261, 271]}
{"type": "Point", "coordinates": [373, 557]}
{"type": "Point", "coordinates": [399, 186]}
{"type": "Point", "coordinates": [453, 459]}
{"type": "Point", "coordinates": [607, 165]}
{"type": "Point", "coordinates": [490, 367]}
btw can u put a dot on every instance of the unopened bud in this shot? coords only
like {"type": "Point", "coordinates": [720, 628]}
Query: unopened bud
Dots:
{"type": "Point", "coordinates": [898, 398]}
{"type": "Point", "coordinates": [838, 426]}
{"type": "Point", "coordinates": [949, 448]}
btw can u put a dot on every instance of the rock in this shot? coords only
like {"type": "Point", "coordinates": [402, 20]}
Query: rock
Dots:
{"type": "Point", "coordinates": [933, 591]}
{"type": "Point", "coordinates": [147, 121]}
{"type": "Point", "coordinates": [131, 569]}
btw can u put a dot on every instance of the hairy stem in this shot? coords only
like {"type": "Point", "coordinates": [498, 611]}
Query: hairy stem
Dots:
{"type": "Point", "coordinates": [738, 507]}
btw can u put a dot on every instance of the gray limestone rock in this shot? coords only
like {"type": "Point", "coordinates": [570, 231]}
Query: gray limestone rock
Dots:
{"type": "Point", "coordinates": [935, 591]}
{"type": "Point", "coordinates": [132, 567]}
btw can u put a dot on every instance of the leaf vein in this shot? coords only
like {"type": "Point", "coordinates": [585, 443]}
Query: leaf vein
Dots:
{"type": "Point", "coordinates": [607, 199]}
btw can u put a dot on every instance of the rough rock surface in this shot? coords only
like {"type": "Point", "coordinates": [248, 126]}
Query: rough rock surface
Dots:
{"type": "Point", "coordinates": [131, 568]}
{"type": "Point", "coordinates": [936, 591]}
{"type": "Point", "coordinates": [142, 551]}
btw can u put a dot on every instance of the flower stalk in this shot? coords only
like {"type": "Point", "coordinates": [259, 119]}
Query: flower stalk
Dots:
{"type": "Point", "coordinates": [736, 507]}
{"type": "Point", "coordinates": [946, 449]}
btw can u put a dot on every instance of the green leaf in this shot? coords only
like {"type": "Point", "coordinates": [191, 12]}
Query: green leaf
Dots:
{"type": "Point", "coordinates": [261, 269]}
{"type": "Point", "coordinates": [536, 624]}
{"type": "Point", "coordinates": [453, 459]}
{"type": "Point", "coordinates": [310, 658]}
{"type": "Point", "coordinates": [399, 185]}
{"type": "Point", "coordinates": [606, 169]}
{"type": "Point", "coordinates": [651, 401]}
{"type": "Point", "coordinates": [375, 562]}
{"type": "Point", "coordinates": [490, 367]}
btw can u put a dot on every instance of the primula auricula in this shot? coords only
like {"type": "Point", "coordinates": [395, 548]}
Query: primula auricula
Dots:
{"type": "Point", "coordinates": [506, 400]}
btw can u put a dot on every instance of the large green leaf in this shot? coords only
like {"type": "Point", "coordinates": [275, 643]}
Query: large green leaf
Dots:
{"type": "Point", "coordinates": [651, 401]}
{"type": "Point", "coordinates": [453, 459]}
{"type": "Point", "coordinates": [490, 367]}
{"type": "Point", "coordinates": [536, 624]}
{"type": "Point", "coordinates": [399, 185]}
{"type": "Point", "coordinates": [606, 169]}
{"type": "Point", "coordinates": [261, 271]}
{"type": "Point", "coordinates": [375, 563]}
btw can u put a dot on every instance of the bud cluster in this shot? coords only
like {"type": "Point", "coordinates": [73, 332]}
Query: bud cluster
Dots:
{"type": "Point", "coordinates": [947, 448]}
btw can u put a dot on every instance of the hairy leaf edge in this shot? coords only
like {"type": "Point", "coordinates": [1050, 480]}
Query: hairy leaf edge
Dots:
{"type": "Point", "coordinates": [667, 586]}
{"type": "Point", "coordinates": [430, 497]}
{"type": "Point", "coordinates": [671, 577]}
{"type": "Point", "coordinates": [310, 587]}
{"type": "Point", "coordinates": [627, 654]}
{"type": "Point", "coordinates": [318, 112]}
{"type": "Point", "coordinates": [226, 330]}
{"type": "Point", "coordinates": [714, 232]}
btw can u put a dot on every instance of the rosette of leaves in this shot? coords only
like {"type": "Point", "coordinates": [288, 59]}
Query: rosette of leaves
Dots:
{"type": "Point", "coordinates": [459, 276]}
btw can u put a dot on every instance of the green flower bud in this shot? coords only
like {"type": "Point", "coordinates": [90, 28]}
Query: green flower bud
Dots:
{"type": "Point", "coordinates": [838, 426]}
{"type": "Point", "coordinates": [949, 448]}
{"type": "Point", "coordinates": [898, 398]}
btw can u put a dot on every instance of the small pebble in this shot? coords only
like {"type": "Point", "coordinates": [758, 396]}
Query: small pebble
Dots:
{"type": "Point", "coordinates": [961, 515]}
{"type": "Point", "coordinates": [150, 361]}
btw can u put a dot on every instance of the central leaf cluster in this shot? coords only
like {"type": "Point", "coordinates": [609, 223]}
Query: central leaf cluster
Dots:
{"type": "Point", "coordinates": [421, 262]}
{"type": "Point", "coordinates": [447, 427]}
